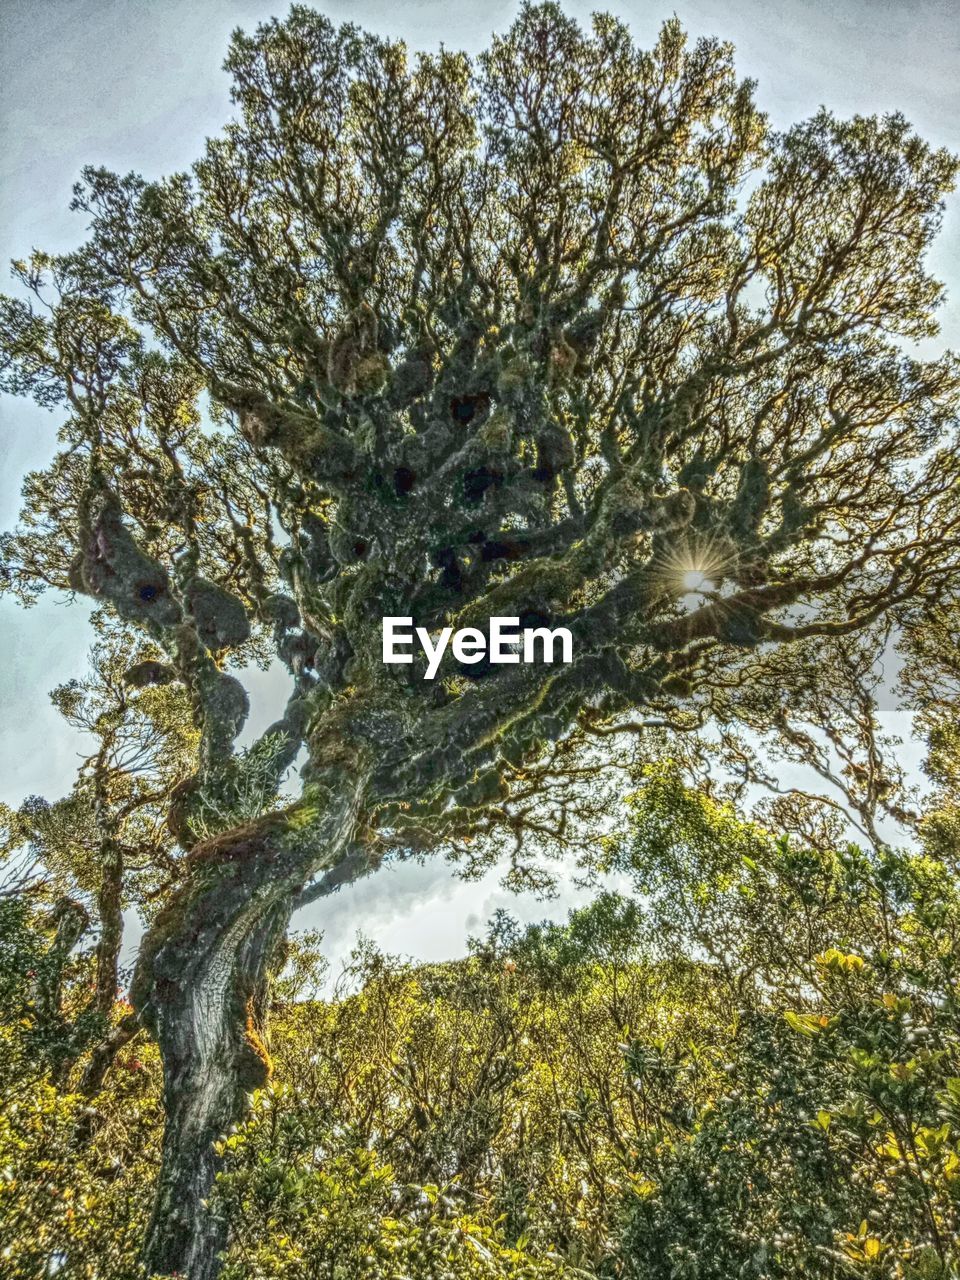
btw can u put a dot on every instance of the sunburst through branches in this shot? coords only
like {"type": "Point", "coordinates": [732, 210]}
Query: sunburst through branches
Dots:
{"type": "Point", "coordinates": [694, 568]}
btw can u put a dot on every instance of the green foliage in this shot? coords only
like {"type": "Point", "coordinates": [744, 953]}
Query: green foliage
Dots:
{"type": "Point", "coordinates": [300, 1206]}
{"type": "Point", "coordinates": [77, 1208]}
{"type": "Point", "coordinates": [46, 1017]}
{"type": "Point", "coordinates": [23, 959]}
{"type": "Point", "coordinates": [835, 1147]}
{"type": "Point", "coordinates": [751, 1067]}
{"type": "Point", "coordinates": [501, 1077]}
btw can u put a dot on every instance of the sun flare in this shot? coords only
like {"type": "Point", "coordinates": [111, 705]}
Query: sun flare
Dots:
{"type": "Point", "coordinates": [694, 567]}
{"type": "Point", "coordinates": [697, 580]}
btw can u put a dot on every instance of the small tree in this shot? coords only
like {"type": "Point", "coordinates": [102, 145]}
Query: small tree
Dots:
{"type": "Point", "coordinates": [82, 859]}
{"type": "Point", "coordinates": [565, 335]}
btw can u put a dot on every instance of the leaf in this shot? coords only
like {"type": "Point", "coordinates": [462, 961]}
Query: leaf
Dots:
{"type": "Point", "coordinates": [808, 1024]}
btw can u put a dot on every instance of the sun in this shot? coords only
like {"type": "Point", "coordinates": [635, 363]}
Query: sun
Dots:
{"type": "Point", "coordinates": [694, 567]}
{"type": "Point", "coordinates": [695, 579]}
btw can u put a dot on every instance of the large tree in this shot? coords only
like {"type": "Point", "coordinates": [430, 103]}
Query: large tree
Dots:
{"type": "Point", "coordinates": [565, 334]}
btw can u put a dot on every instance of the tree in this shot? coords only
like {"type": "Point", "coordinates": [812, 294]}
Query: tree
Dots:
{"type": "Point", "coordinates": [105, 846]}
{"type": "Point", "coordinates": [566, 335]}
{"type": "Point", "coordinates": [832, 1147]}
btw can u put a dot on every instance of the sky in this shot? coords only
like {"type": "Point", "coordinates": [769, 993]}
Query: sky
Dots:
{"type": "Point", "coordinates": [137, 84]}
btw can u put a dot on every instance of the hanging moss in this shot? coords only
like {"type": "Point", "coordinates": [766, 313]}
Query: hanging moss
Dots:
{"type": "Point", "coordinates": [226, 707]}
{"type": "Point", "coordinates": [555, 451]}
{"type": "Point", "coordinates": [112, 567]}
{"type": "Point", "coordinates": [412, 378]}
{"type": "Point", "coordinates": [371, 373]}
{"type": "Point", "coordinates": [342, 362]}
{"type": "Point", "coordinates": [516, 375]}
{"type": "Point", "coordinates": [628, 509]}
{"type": "Point", "coordinates": [255, 1064]}
{"type": "Point", "coordinates": [741, 626]}
{"type": "Point", "coordinates": [795, 513]}
{"type": "Point", "coordinates": [180, 812]}
{"type": "Point", "coordinates": [75, 574]}
{"type": "Point", "coordinates": [584, 333]}
{"type": "Point", "coordinates": [298, 651]}
{"type": "Point", "coordinates": [301, 436]}
{"type": "Point", "coordinates": [495, 437]}
{"type": "Point", "coordinates": [289, 733]}
{"type": "Point", "coordinates": [673, 511]}
{"type": "Point", "coordinates": [353, 362]}
{"type": "Point", "coordinates": [283, 611]}
{"type": "Point", "coordinates": [563, 359]}
{"type": "Point", "coordinates": [695, 473]}
{"type": "Point", "coordinates": [219, 616]}
{"type": "Point", "coordinates": [752, 500]}
{"type": "Point", "coordinates": [147, 673]}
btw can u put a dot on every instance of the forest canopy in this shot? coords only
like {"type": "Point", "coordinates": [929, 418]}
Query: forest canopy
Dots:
{"type": "Point", "coordinates": [748, 1064]}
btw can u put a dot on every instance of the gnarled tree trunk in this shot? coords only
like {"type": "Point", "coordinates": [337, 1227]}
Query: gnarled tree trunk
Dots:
{"type": "Point", "coordinates": [200, 986]}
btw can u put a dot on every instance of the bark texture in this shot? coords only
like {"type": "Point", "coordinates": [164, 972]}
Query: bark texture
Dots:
{"type": "Point", "coordinates": [201, 987]}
